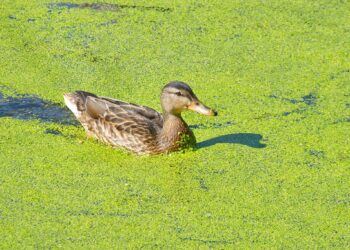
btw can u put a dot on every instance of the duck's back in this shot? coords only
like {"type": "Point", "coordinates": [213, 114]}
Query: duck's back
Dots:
{"type": "Point", "coordinates": [115, 122]}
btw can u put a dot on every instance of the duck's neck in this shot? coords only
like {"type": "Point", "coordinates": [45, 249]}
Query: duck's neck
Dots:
{"type": "Point", "coordinates": [174, 127]}
{"type": "Point", "coordinates": [173, 124]}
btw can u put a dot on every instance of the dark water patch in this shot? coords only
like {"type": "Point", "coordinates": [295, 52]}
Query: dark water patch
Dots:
{"type": "Point", "coordinates": [342, 120]}
{"type": "Point", "coordinates": [65, 5]}
{"type": "Point", "coordinates": [12, 17]}
{"type": "Point", "coordinates": [230, 39]}
{"type": "Point", "coordinates": [295, 111]}
{"type": "Point", "coordinates": [30, 107]}
{"type": "Point", "coordinates": [30, 20]}
{"type": "Point", "coordinates": [299, 111]}
{"type": "Point", "coordinates": [318, 154]}
{"type": "Point", "coordinates": [294, 101]}
{"type": "Point", "coordinates": [202, 184]}
{"type": "Point", "coordinates": [110, 22]}
{"type": "Point", "coordinates": [155, 8]}
{"type": "Point", "coordinates": [53, 131]}
{"type": "Point", "coordinates": [94, 6]}
{"type": "Point", "coordinates": [211, 125]}
{"type": "Point", "coordinates": [309, 99]}
{"type": "Point", "coordinates": [247, 139]}
{"type": "Point", "coordinates": [107, 6]}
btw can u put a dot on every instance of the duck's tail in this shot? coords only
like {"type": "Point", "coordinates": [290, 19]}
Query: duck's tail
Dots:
{"type": "Point", "coordinates": [76, 102]}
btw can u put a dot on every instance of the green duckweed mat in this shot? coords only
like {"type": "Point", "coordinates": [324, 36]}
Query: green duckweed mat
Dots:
{"type": "Point", "coordinates": [272, 171]}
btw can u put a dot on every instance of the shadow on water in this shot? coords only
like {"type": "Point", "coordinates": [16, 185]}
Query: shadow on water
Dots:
{"type": "Point", "coordinates": [29, 107]}
{"type": "Point", "coordinates": [248, 139]}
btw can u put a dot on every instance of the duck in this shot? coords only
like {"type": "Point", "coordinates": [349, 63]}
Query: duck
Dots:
{"type": "Point", "coordinates": [136, 128]}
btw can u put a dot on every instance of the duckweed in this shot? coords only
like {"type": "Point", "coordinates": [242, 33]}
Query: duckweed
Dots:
{"type": "Point", "coordinates": [271, 171]}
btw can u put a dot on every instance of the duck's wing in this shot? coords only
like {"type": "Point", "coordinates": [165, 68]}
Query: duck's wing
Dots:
{"type": "Point", "coordinates": [123, 124]}
{"type": "Point", "coordinates": [134, 110]}
{"type": "Point", "coordinates": [120, 112]}
{"type": "Point", "coordinates": [116, 122]}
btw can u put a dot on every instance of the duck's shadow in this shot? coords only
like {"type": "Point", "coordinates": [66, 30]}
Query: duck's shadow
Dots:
{"type": "Point", "coordinates": [29, 107]}
{"type": "Point", "coordinates": [248, 139]}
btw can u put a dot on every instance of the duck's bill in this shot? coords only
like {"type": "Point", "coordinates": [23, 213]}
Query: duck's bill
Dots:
{"type": "Point", "coordinates": [202, 109]}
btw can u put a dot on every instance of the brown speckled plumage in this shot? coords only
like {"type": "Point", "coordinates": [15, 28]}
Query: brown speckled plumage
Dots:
{"type": "Point", "coordinates": [139, 129]}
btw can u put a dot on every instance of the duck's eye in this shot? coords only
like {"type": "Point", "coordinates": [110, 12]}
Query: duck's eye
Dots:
{"type": "Point", "coordinates": [178, 93]}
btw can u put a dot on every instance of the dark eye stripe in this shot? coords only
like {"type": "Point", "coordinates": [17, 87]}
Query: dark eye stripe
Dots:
{"type": "Point", "coordinates": [178, 93]}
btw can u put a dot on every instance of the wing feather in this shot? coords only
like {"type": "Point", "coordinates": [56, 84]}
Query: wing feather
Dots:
{"type": "Point", "coordinates": [128, 125]}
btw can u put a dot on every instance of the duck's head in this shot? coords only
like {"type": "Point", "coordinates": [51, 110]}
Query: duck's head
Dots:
{"type": "Point", "coordinates": [177, 97]}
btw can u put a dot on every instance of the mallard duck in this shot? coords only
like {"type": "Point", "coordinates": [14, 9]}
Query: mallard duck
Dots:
{"type": "Point", "coordinates": [137, 128]}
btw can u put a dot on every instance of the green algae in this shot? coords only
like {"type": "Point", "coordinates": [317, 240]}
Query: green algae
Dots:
{"type": "Point", "coordinates": [271, 171]}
